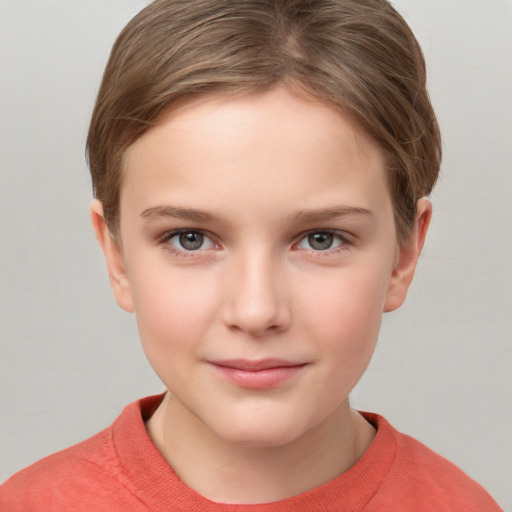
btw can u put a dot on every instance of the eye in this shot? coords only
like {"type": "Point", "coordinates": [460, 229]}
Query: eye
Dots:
{"type": "Point", "coordinates": [321, 241]}
{"type": "Point", "coordinates": [189, 241]}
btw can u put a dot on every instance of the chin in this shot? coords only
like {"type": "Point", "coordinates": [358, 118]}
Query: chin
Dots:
{"type": "Point", "coordinates": [267, 433]}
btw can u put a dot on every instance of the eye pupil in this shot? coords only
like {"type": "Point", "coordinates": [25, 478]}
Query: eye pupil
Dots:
{"type": "Point", "coordinates": [321, 241]}
{"type": "Point", "coordinates": [191, 241]}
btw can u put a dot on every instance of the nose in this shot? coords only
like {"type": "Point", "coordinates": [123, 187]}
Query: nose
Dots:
{"type": "Point", "coordinates": [256, 298]}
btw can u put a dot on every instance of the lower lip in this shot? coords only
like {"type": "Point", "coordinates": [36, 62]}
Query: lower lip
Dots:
{"type": "Point", "coordinates": [258, 379]}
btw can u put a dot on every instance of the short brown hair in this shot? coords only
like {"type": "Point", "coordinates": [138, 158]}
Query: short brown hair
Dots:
{"type": "Point", "coordinates": [357, 55]}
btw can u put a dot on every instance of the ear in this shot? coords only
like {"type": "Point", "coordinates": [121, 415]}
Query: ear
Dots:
{"type": "Point", "coordinates": [114, 258]}
{"type": "Point", "coordinates": [407, 258]}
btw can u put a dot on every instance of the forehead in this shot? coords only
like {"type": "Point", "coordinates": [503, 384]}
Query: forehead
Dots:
{"type": "Point", "coordinates": [279, 115]}
{"type": "Point", "coordinates": [274, 144]}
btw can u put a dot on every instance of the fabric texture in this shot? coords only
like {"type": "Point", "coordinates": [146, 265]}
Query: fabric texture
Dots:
{"type": "Point", "coordinates": [120, 469]}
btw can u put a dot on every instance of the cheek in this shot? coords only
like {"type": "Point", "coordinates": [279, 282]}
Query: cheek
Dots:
{"type": "Point", "coordinates": [347, 317]}
{"type": "Point", "coordinates": [173, 310]}
{"type": "Point", "coordinates": [350, 298]}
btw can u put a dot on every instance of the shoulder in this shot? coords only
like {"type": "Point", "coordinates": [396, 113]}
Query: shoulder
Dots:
{"type": "Point", "coordinates": [92, 475]}
{"type": "Point", "coordinates": [61, 476]}
{"type": "Point", "coordinates": [424, 478]}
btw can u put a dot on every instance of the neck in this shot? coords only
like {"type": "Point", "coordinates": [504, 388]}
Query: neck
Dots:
{"type": "Point", "coordinates": [229, 473]}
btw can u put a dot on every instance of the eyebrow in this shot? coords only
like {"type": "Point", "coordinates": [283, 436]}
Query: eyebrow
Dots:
{"type": "Point", "coordinates": [312, 216]}
{"type": "Point", "coordinates": [158, 212]}
{"type": "Point", "coordinates": [303, 216]}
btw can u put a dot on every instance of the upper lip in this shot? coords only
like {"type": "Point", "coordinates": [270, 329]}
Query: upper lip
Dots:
{"type": "Point", "coordinates": [256, 365]}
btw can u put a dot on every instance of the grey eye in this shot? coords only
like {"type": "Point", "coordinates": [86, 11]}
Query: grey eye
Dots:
{"type": "Point", "coordinates": [320, 241]}
{"type": "Point", "coordinates": [191, 241]}
{"type": "Point", "coordinates": [187, 241]}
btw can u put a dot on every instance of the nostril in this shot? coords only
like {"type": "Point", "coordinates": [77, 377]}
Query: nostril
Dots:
{"type": "Point", "coordinates": [261, 327]}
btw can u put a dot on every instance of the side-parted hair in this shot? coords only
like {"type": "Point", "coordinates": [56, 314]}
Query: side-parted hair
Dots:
{"type": "Point", "coordinates": [357, 55]}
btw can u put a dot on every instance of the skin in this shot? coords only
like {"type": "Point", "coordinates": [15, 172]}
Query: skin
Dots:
{"type": "Point", "coordinates": [258, 177]}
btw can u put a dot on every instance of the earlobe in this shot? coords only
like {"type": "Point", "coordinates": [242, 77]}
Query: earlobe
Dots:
{"type": "Point", "coordinates": [408, 256]}
{"type": "Point", "coordinates": [113, 257]}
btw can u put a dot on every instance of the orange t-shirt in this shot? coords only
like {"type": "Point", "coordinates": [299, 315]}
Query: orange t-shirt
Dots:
{"type": "Point", "coordinates": [120, 469]}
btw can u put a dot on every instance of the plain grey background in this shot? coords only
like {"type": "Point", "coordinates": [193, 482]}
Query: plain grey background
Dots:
{"type": "Point", "coordinates": [70, 359]}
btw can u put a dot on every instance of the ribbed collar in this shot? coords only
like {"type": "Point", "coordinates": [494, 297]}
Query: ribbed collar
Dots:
{"type": "Point", "coordinates": [147, 474]}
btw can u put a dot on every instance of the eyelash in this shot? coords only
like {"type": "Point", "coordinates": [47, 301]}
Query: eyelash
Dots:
{"type": "Point", "coordinates": [184, 253]}
{"type": "Point", "coordinates": [343, 245]}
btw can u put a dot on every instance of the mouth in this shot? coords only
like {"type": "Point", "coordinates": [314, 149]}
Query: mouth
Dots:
{"type": "Point", "coordinates": [257, 374]}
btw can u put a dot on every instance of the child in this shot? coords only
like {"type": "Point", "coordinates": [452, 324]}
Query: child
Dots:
{"type": "Point", "coordinates": [260, 170]}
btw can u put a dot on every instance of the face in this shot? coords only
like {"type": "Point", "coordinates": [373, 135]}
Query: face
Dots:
{"type": "Point", "coordinates": [258, 253]}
